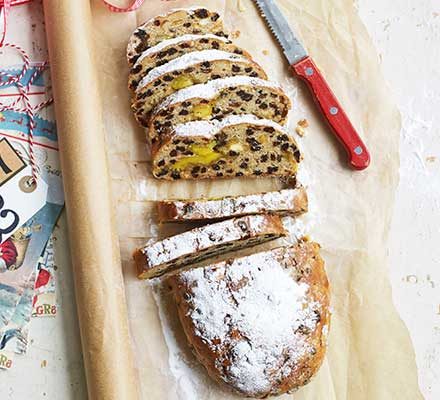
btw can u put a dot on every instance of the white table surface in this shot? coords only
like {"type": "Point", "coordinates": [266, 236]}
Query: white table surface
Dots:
{"type": "Point", "coordinates": [407, 36]}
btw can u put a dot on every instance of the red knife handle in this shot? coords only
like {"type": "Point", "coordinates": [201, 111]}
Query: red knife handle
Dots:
{"type": "Point", "coordinates": [335, 115]}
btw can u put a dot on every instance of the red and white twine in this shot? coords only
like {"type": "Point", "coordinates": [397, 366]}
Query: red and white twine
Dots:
{"type": "Point", "coordinates": [22, 103]}
{"type": "Point", "coordinates": [133, 6]}
{"type": "Point", "coordinates": [23, 90]}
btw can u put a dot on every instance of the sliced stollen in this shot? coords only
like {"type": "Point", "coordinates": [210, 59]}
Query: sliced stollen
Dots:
{"type": "Point", "coordinates": [258, 324]}
{"type": "Point", "coordinates": [187, 70]}
{"type": "Point", "coordinates": [194, 21]}
{"type": "Point", "coordinates": [238, 145]}
{"type": "Point", "coordinates": [198, 244]}
{"type": "Point", "coordinates": [282, 202]}
{"type": "Point", "coordinates": [219, 98]}
{"type": "Point", "coordinates": [171, 49]}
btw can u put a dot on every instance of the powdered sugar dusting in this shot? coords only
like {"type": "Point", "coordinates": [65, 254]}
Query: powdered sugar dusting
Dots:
{"type": "Point", "coordinates": [187, 60]}
{"type": "Point", "coordinates": [211, 89]}
{"type": "Point", "coordinates": [276, 201]}
{"type": "Point", "coordinates": [205, 237]}
{"type": "Point", "coordinates": [210, 128]}
{"type": "Point", "coordinates": [255, 307]}
{"type": "Point", "coordinates": [176, 41]}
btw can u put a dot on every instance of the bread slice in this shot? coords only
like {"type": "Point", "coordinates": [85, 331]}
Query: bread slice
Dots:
{"type": "Point", "coordinates": [171, 49]}
{"type": "Point", "coordinates": [259, 324]}
{"type": "Point", "coordinates": [188, 70]}
{"type": "Point", "coordinates": [238, 145]}
{"type": "Point", "coordinates": [176, 23]}
{"type": "Point", "coordinates": [217, 99]}
{"type": "Point", "coordinates": [196, 245]}
{"type": "Point", "coordinates": [282, 202]}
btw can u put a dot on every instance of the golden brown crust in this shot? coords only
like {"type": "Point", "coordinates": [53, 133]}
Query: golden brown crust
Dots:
{"type": "Point", "coordinates": [218, 355]}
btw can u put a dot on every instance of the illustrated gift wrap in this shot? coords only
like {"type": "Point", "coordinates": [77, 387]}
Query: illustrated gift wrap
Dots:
{"type": "Point", "coordinates": [28, 216]}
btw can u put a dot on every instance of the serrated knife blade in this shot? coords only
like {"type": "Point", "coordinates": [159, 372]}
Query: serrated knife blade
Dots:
{"type": "Point", "coordinates": [292, 47]}
{"type": "Point", "coordinates": [305, 68]}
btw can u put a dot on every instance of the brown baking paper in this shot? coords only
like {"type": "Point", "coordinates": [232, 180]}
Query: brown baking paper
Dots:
{"type": "Point", "coordinates": [93, 241]}
{"type": "Point", "coordinates": [370, 355]}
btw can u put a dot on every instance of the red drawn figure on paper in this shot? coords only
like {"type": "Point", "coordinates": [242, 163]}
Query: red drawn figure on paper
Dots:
{"type": "Point", "coordinates": [8, 255]}
{"type": "Point", "coordinates": [43, 278]}
{"type": "Point", "coordinates": [18, 121]}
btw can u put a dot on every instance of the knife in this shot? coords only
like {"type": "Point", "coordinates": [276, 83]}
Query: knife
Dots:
{"type": "Point", "coordinates": [304, 67]}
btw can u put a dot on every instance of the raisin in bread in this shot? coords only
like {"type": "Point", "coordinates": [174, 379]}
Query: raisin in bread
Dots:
{"type": "Point", "coordinates": [238, 145]}
{"type": "Point", "coordinates": [171, 49]}
{"type": "Point", "coordinates": [258, 324]}
{"type": "Point", "coordinates": [176, 23]}
{"type": "Point", "coordinates": [198, 244]}
{"type": "Point", "coordinates": [217, 99]}
{"type": "Point", "coordinates": [282, 202]}
{"type": "Point", "coordinates": [187, 70]}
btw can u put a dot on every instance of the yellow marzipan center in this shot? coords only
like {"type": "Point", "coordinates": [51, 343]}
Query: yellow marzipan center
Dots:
{"type": "Point", "coordinates": [202, 111]}
{"type": "Point", "coordinates": [203, 155]}
{"type": "Point", "coordinates": [181, 82]}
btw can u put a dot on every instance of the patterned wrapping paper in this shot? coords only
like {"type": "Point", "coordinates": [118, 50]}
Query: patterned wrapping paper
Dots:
{"type": "Point", "coordinates": [44, 303]}
{"type": "Point", "coordinates": [15, 333]}
{"type": "Point", "coordinates": [17, 281]}
{"type": "Point", "coordinates": [38, 300]}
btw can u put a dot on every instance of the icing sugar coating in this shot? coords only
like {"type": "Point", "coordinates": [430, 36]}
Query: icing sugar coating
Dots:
{"type": "Point", "coordinates": [210, 128]}
{"type": "Point", "coordinates": [187, 60]}
{"type": "Point", "coordinates": [205, 237]}
{"type": "Point", "coordinates": [286, 200]}
{"type": "Point", "coordinates": [176, 41]}
{"type": "Point", "coordinates": [254, 312]}
{"type": "Point", "coordinates": [210, 89]}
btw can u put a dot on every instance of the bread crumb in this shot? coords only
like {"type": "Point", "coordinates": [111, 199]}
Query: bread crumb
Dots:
{"type": "Point", "coordinates": [43, 364]}
{"type": "Point", "coordinates": [303, 123]}
{"type": "Point", "coordinates": [300, 127]}
{"type": "Point", "coordinates": [266, 52]}
{"type": "Point", "coordinates": [431, 159]}
{"type": "Point", "coordinates": [235, 35]}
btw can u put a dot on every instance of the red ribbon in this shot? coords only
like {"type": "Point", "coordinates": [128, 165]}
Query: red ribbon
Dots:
{"type": "Point", "coordinates": [5, 6]}
{"type": "Point", "coordinates": [134, 5]}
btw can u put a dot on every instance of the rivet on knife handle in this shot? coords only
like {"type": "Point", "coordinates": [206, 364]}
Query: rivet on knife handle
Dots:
{"type": "Point", "coordinates": [335, 115]}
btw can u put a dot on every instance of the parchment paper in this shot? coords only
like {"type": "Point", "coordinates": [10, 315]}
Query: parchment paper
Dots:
{"type": "Point", "coordinates": [370, 355]}
{"type": "Point", "coordinates": [95, 253]}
